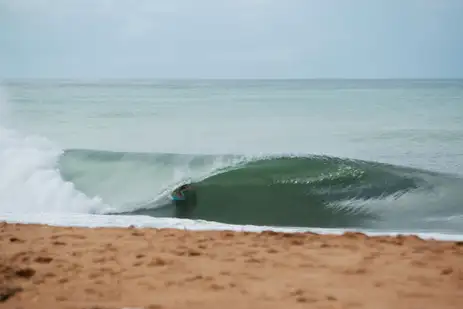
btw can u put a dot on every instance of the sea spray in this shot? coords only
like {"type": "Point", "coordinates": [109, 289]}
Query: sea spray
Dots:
{"type": "Point", "coordinates": [29, 178]}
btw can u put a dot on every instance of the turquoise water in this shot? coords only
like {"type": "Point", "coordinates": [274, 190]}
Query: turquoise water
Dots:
{"type": "Point", "coordinates": [366, 154]}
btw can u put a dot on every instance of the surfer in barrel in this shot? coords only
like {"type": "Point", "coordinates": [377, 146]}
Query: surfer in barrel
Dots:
{"type": "Point", "coordinates": [184, 198]}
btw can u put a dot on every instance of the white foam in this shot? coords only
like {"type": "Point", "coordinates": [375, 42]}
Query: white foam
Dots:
{"type": "Point", "coordinates": [92, 221]}
{"type": "Point", "coordinates": [30, 181]}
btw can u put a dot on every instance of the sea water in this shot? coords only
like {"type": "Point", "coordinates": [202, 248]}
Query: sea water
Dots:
{"type": "Point", "coordinates": [375, 155]}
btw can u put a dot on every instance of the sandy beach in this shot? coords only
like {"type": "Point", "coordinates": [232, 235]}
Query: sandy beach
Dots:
{"type": "Point", "coordinates": [68, 267]}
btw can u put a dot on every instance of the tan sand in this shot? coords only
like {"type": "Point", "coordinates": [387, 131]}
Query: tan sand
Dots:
{"type": "Point", "coordinates": [57, 267]}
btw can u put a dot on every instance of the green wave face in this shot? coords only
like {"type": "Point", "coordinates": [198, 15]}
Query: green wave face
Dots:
{"type": "Point", "coordinates": [279, 191]}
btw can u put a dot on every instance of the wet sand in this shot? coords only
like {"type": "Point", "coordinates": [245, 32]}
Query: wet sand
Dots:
{"type": "Point", "coordinates": [66, 267]}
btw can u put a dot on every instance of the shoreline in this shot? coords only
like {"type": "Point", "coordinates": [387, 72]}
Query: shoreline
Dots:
{"type": "Point", "coordinates": [46, 266]}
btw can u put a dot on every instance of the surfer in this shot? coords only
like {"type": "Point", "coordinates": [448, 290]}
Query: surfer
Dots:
{"type": "Point", "coordinates": [179, 194]}
{"type": "Point", "coordinates": [184, 198]}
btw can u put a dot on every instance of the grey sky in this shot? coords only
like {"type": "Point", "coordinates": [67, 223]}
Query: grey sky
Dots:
{"type": "Point", "coordinates": [231, 38]}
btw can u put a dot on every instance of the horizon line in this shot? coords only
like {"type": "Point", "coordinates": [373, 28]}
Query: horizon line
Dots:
{"type": "Point", "coordinates": [93, 79]}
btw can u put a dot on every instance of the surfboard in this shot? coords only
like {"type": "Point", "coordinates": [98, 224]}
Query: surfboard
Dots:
{"type": "Point", "coordinates": [175, 197]}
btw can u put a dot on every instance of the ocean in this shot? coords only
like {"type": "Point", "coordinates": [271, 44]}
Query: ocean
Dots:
{"type": "Point", "coordinates": [380, 156]}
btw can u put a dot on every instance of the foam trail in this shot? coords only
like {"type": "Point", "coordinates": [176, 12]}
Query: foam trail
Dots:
{"type": "Point", "coordinates": [94, 221]}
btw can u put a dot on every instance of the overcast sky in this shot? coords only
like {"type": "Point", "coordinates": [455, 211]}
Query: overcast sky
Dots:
{"type": "Point", "coordinates": [231, 38]}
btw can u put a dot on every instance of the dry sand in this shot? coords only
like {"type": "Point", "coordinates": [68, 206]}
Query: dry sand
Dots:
{"type": "Point", "coordinates": [66, 267]}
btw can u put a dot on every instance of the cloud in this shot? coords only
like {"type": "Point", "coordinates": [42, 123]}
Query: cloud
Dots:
{"type": "Point", "coordinates": [231, 38]}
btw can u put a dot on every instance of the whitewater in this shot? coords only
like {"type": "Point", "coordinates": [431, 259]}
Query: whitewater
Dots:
{"type": "Point", "coordinates": [327, 156]}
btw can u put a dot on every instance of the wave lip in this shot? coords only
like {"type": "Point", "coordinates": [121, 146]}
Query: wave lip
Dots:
{"type": "Point", "coordinates": [129, 181]}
